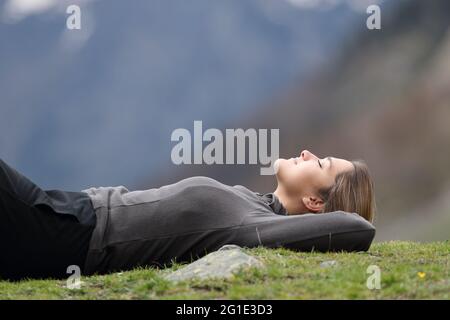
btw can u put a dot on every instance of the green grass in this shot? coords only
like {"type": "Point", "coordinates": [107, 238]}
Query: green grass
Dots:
{"type": "Point", "coordinates": [287, 275]}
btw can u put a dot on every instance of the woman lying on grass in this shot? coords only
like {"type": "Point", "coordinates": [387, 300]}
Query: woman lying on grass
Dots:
{"type": "Point", "coordinates": [107, 229]}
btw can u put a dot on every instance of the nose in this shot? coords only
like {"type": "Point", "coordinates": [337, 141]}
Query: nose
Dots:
{"type": "Point", "coordinates": [307, 155]}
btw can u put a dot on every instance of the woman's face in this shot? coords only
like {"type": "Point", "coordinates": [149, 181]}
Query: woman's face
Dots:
{"type": "Point", "coordinates": [306, 174]}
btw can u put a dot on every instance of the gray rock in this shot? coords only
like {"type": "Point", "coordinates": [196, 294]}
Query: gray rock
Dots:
{"type": "Point", "coordinates": [229, 247]}
{"type": "Point", "coordinates": [222, 263]}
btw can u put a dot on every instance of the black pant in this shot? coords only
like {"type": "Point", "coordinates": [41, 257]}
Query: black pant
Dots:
{"type": "Point", "coordinates": [42, 233]}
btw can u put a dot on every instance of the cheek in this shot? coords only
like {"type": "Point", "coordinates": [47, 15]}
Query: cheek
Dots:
{"type": "Point", "coordinates": [295, 177]}
{"type": "Point", "coordinates": [306, 178]}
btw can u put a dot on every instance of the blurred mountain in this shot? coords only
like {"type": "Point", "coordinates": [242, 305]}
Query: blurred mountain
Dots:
{"type": "Point", "coordinates": [97, 106]}
{"type": "Point", "coordinates": [386, 99]}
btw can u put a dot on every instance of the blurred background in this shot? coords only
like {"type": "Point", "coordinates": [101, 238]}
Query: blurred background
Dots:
{"type": "Point", "coordinates": [97, 106]}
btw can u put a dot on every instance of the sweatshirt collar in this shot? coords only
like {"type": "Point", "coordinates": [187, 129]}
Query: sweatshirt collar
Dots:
{"type": "Point", "coordinates": [273, 201]}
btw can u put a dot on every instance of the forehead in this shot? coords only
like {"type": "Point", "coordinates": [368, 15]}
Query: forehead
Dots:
{"type": "Point", "coordinates": [339, 165]}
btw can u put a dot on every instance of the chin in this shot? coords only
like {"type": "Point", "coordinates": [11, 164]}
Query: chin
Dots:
{"type": "Point", "coordinates": [277, 165]}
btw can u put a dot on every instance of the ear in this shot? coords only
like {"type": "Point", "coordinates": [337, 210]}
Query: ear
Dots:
{"type": "Point", "coordinates": [313, 204]}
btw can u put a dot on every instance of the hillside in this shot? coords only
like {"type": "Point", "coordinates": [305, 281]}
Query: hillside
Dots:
{"type": "Point", "coordinates": [408, 270]}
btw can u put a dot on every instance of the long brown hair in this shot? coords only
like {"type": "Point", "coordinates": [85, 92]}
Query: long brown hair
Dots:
{"type": "Point", "coordinates": [352, 192]}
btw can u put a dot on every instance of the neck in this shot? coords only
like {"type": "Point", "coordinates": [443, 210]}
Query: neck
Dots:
{"type": "Point", "coordinates": [288, 202]}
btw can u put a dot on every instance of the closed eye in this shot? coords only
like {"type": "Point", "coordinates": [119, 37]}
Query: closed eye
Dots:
{"type": "Point", "coordinates": [319, 163]}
